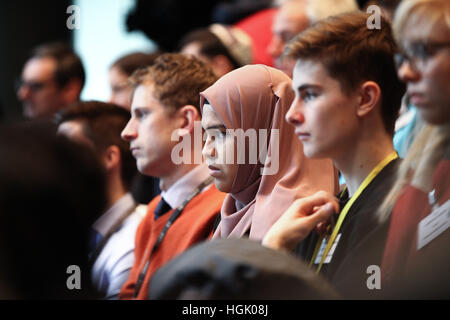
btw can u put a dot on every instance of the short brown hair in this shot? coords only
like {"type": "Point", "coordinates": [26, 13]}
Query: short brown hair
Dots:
{"type": "Point", "coordinates": [68, 63]}
{"type": "Point", "coordinates": [102, 124]}
{"type": "Point", "coordinates": [352, 53]}
{"type": "Point", "coordinates": [133, 61]}
{"type": "Point", "coordinates": [177, 79]}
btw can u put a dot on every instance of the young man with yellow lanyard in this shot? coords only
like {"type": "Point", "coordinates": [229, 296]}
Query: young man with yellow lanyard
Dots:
{"type": "Point", "coordinates": [347, 100]}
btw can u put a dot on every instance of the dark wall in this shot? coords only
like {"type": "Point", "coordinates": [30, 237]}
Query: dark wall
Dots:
{"type": "Point", "coordinates": [23, 25]}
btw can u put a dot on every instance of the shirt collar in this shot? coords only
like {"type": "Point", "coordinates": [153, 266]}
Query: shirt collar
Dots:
{"type": "Point", "coordinates": [113, 214]}
{"type": "Point", "coordinates": [181, 189]}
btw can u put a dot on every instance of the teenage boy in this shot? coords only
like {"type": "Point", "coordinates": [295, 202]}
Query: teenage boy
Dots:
{"type": "Point", "coordinates": [347, 100]}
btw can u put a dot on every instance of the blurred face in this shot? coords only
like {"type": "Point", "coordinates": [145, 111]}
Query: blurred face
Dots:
{"type": "Point", "coordinates": [220, 66]}
{"type": "Point", "coordinates": [149, 133]}
{"type": "Point", "coordinates": [215, 150]}
{"type": "Point", "coordinates": [193, 49]}
{"type": "Point", "coordinates": [290, 20]}
{"type": "Point", "coordinates": [427, 70]}
{"type": "Point", "coordinates": [324, 118]}
{"type": "Point", "coordinates": [38, 91]}
{"type": "Point", "coordinates": [120, 90]}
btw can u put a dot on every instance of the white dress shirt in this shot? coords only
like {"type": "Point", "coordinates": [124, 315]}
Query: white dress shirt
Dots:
{"type": "Point", "coordinates": [181, 189]}
{"type": "Point", "coordinates": [113, 265]}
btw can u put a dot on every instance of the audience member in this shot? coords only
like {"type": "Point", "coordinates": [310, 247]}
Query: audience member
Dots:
{"type": "Point", "coordinates": [237, 269]}
{"type": "Point", "coordinates": [52, 78]}
{"type": "Point", "coordinates": [165, 110]}
{"type": "Point", "coordinates": [252, 102]}
{"type": "Point", "coordinates": [70, 193]}
{"type": "Point", "coordinates": [121, 70]}
{"type": "Point", "coordinates": [144, 188]}
{"type": "Point", "coordinates": [293, 17]}
{"type": "Point", "coordinates": [347, 101]}
{"type": "Point", "coordinates": [416, 256]}
{"type": "Point", "coordinates": [51, 190]}
{"type": "Point", "coordinates": [98, 125]}
{"type": "Point", "coordinates": [223, 48]}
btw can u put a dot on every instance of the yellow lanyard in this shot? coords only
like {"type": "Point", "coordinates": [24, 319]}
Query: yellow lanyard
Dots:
{"type": "Point", "coordinates": [347, 207]}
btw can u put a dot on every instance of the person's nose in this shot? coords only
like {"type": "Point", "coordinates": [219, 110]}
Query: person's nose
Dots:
{"type": "Point", "coordinates": [129, 133]}
{"type": "Point", "coordinates": [23, 93]}
{"type": "Point", "coordinates": [295, 115]}
{"type": "Point", "coordinates": [407, 73]}
{"type": "Point", "coordinates": [209, 151]}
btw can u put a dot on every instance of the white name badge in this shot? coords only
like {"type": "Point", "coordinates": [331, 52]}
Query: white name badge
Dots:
{"type": "Point", "coordinates": [330, 253]}
{"type": "Point", "coordinates": [433, 225]}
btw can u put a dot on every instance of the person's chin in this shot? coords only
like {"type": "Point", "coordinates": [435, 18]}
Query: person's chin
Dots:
{"type": "Point", "coordinates": [310, 151]}
{"type": "Point", "coordinates": [221, 186]}
{"type": "Point", "coordinates": [28, 112]}
{"type": "Point", "coordinates": [432, 117]}
{"type": "Point", "coordinates": [143, 167]}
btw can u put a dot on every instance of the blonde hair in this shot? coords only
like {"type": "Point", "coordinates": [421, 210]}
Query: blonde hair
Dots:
{"type": "Point", "coordinates": [432, 141]}
{"type": "Point", "coordinates": [431, 11]}
{"type": "Point", "coordinates": [417, 168]}
{"type": "Point", "coordinates": [319, 10]}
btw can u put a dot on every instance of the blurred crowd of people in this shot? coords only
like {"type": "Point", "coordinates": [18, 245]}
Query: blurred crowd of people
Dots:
{"type": "Point", "coordinates": [153, 194]}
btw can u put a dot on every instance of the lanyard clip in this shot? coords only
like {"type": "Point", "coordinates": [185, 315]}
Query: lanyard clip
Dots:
{"type": "Point", "coordinates": [432, 199]}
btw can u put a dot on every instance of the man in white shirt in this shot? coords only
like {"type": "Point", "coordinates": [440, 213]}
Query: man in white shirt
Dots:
{"type": "Point", "coordinates": [98, 125]}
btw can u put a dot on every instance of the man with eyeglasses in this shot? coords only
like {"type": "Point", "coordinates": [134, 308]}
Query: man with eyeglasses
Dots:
{"type": "Point", "coordinates": [52, 78]}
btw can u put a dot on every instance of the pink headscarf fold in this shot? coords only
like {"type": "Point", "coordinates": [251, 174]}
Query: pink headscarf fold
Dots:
{"type": "Point", "coordinates": [258, 97]}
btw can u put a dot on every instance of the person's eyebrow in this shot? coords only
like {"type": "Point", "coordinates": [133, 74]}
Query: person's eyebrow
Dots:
{"type": "Point", "coordinates": [215, 126]}
{"type": "Point", "coordinates": [139, 109]}
{"type": "Point", "coordinates": [306, 86]}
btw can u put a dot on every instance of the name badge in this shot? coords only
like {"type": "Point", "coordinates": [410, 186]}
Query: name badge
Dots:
{"type": "Point", "coordinates": [433, 225]}
{"type": "Point", "coordinates": [330, 253]}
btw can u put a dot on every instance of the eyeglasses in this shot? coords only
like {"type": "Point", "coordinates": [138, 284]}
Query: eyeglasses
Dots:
{"type": "Point", "coordinates": [120, 87]}
{"type": "Point", "coordinates": [33, 86]}
{"type": "Point", "coordinates": [417, 54]}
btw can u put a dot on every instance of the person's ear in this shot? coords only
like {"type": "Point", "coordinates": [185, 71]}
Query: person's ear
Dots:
{"type": "Point", "coordinates": [111, 157]}
{"type": "Point", "coordinates": [188, 115]}
{"type": "Point", "coordinates": [370, 96]}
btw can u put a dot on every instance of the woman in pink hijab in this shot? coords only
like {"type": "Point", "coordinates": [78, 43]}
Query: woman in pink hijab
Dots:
{"type": "Point", "coordinates": [244, 119]}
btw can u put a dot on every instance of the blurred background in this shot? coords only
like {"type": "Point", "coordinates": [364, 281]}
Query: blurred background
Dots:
{"type": "Point", "coordinates": [101, 38]}
{"type": "Point", "coordinates": [109, 29]}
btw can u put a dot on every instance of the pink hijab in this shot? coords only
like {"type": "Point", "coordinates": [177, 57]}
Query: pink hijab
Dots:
{"type": "Point", "coordinates": [258, 97]}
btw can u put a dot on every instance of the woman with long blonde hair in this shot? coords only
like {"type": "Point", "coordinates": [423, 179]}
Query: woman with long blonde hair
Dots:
{"type": "Point", "coordinates": [416, 258]}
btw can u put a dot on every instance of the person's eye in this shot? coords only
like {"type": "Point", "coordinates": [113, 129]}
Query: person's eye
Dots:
{"type": "Point", "coordinates": [140, 114]}
{"type": "Point", "coordinates": [308, 95]}
{"type": "Point", "coordinates": [217, 134]}
{"type": "Point", "coordinates": [117, 89]}
{"type": "Point", "coordinates": [422, 51]}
